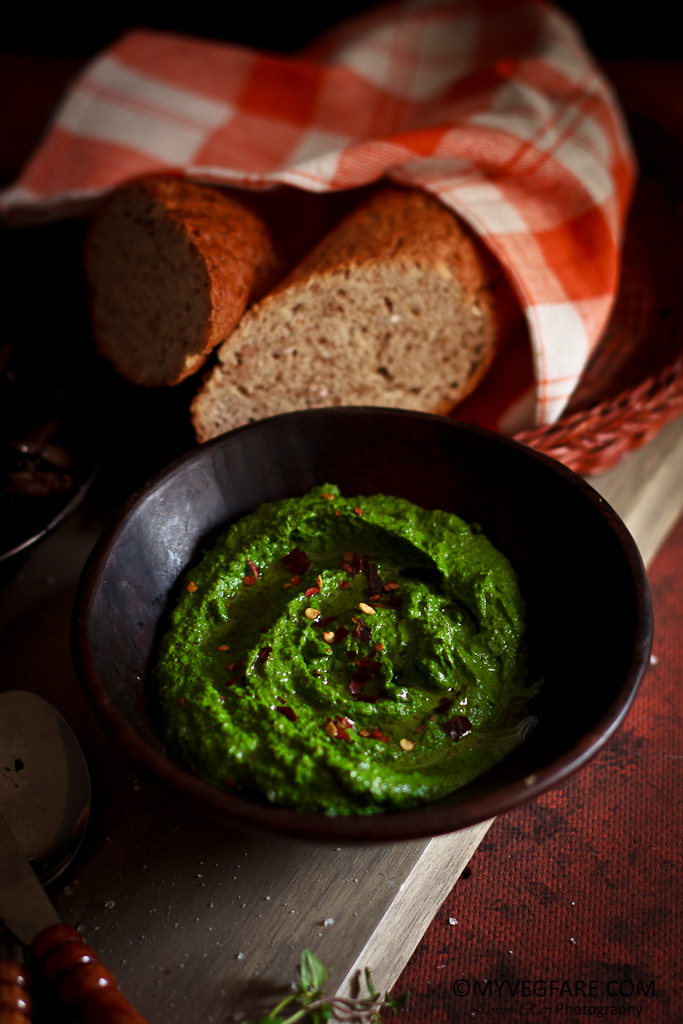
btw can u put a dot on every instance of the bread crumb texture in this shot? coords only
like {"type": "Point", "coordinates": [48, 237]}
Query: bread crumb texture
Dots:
{"type": "Point", "coordinates": [172, 267]}
{"type": "Point", "coordinates": [398, 306]}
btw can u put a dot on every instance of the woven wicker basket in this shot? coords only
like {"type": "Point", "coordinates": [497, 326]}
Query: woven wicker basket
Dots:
{"type": "Point", "coordinates": [633, 384]}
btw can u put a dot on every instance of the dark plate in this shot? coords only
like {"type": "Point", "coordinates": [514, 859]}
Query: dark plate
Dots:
{"type": "Point", "coordinates": [53, 389]}
{"type": "Point", "coordinates": [589, 612]}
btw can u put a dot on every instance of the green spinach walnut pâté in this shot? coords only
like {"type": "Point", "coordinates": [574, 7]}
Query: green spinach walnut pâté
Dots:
{"type": "Point", "coordinates": [346, 656]}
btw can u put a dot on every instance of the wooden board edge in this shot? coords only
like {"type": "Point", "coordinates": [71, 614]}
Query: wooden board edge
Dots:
{"type": "Point", "coordinates": [413, 909]}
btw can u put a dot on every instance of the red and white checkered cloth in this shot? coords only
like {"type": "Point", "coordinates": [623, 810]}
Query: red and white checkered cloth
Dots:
{"type": "Point", "coordinates": [494, 106]}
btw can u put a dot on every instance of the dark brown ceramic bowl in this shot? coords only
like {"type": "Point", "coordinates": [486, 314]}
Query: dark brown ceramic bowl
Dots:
{"type": "Point", "coordinates": [589, 612]}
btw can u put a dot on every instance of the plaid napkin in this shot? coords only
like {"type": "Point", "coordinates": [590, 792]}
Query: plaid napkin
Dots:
{"type": "Point", "coordinates": [494, 106]}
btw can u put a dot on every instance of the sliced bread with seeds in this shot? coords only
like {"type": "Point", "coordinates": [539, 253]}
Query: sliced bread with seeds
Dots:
{"type": "Point", "coordinates": [400, 305]}
{"type": "Point", "coordinates": [172, 266]}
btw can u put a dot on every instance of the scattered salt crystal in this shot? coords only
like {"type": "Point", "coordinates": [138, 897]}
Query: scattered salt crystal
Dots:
{"type": "Point", "coordinates": [654, 660]}
{"type": "Point", "coordinates": [68, 890]}
{"type": "Point", "coordinates": [573, 940]}
{"type": "Point", "coordinates": [452, 920]}
{"type": "Point", "coordinates": [328, 921]}
{"type": "Point", "coordinates": [267, 897]}
{"type": "Point", "coordinates": [240, 956]}
{"type": "Point", "coordinates": [110, 904]}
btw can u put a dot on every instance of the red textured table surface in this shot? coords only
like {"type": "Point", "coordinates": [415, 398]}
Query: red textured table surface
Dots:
{"type": "Point", "coordinates": [583, 885]}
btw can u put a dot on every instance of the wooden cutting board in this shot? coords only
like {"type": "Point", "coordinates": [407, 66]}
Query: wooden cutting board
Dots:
{"type": "Point", "coordinates": [200, 922]}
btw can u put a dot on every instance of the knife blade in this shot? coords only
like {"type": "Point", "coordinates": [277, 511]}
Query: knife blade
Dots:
{"type": "Point", "coordinates": [83, 983]}
{"type": "Point", "coordinates": [24, 904]}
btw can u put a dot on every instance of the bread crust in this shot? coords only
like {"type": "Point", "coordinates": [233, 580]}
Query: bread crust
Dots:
{"type": "Point", "coordinates": [216, 242]}
{"type": "Point", "coordinates": [401, 239]}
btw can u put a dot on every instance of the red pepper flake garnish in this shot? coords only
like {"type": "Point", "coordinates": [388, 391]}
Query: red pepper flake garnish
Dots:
{"type": "Point", "coordinates": [362, 632]}
{"type": "Point", "coordinates": [395, 602]}
{"type": "Point", "coordinates": [343, 584]}
{"type": "Point", "coordinates": [336, 728]}
{"type": "Point", "coordinates": [358, 511]}
{"type": "Point", "coordinates": [191, 587]}
{"type": "Point", "coordinates": [321, 623]}
{"type": "Point", "coordinates": [295, 580]}
{"type": "Point", "coordinates": [223, 647]}
{"type": "Point", "coordinates": [373, 597]}
{"type": "Point", "coordinates": [327, 497]}
{"type": "Point", "coordinates": [356, 563]}
{"type": "Point", "coordinates": [377, 734]}
{"type": "Point", "coordinates": [370, 572]}
{"type": "Point", "coordinates": [254, 568]}
{"type": "Point", "coordinates": [340, 633]}
{"type": "Point", "coordinates": [288, 712]}
{"type": "Point", "coordinates": [418, 730]}
{"type": "Point", "coordinates": [239, 675]}
{"type": "Point", "coordinates": [264, 654]}
{"type": "Point", "coordinates": [314, 672]}
{"type": "Point", "coordinates": [311, 591]}
{"type": "Point", "coordinates": [336, 512]}
{"type": "Point", "coordinates": [390, 586]}
{"type": "Point", "coordinates": [249, 581]}
{"type": "Point", "coordinates": [458, 727]}
{"type": "Point", "coordinates": [240, 663]}
{"type": "Point", "coordinates": [297, 561]}
{"type": "Point", "coordinates": [443, 706]}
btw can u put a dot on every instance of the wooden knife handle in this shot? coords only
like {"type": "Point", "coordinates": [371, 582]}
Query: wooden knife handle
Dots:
{"type": "Point", "coordinates": [15, 1001]}
{"type": "Point", "coordinates": [85, 986]}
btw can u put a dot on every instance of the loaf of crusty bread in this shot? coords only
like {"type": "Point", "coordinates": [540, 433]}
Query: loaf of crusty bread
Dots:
{"type": "Point", "coordinates": [172, 267]}
{"type": "Point", "coordinates": [400, 305]}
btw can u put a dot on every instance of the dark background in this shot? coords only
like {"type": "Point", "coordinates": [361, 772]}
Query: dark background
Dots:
{"type": "Point", "coordinates": [612, 28]}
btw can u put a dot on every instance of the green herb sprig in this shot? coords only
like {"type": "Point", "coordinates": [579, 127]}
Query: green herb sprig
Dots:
{"type": "Point", "coordinates": [309, 1002]}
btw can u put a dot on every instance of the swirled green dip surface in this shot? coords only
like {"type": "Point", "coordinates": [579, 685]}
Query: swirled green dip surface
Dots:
{"type": "Point", "coordinates": [399, 680]}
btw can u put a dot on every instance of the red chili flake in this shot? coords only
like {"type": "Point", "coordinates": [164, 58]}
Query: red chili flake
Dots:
{"type": "Point", "coordinates": [362, 632]}
{"type": "Point", "coordinates": [358, 511]}
{"type": "Point", "coordinates": [295, 579]}
{"type": "Point", "coordinates": [347, 723]}
{"type": "Point", "coordinates": [254, 568]}
{"type": "Point", "coordinates": [297, 561]}
{"type": "Point", "coordinates": [373, 597]}
{"type": "Point", "coordinates": [249, 581]}
{"type": "Point", "coordinates": [346, 566]}
{"type": "Point", "coordinates": [264, 629]}
{"type": "Point", "coordinates": [315, 672]}
{"type": "Point", "coordinates": [376, 733]}
{"type": "Point", "coordinates": [321, 623]}
{"type": "Point", "coordinates": [289, 713]}
{"type": "Point", "coordinates": [342, 734]}
{"type": "Point", "coordinates": [356, 563]}
{"type": "Point", "coordinates": [340, 633]}
{"type": "Point", "coordinates": [337, 513]}
{"type": "Point", "coordinates": [355, 688]}
{"type": "Point", "coordinates": [443, 706]}
{"type": "Point", "coordinates": [370, 572]}
{"type": "Point", "coordinates": [240, 663]}
{"type": "Point", "coordinates": [239, 675]}
{"type": "Point", "coordinates": [343, 584]}
{"type": "Point", "coordinates": [264, 654]}
{"type": "Point", "coordinates": [311, 591]}
{"type": "Point", "coordinates": [395, 602]}
{"type": "Point", "coordinates": [368, 698]}
{"type": "Point", "coordinates": [458, 727]}
{"type": "Point", "coordinates": [390, 586]}
{"type": "Point", "coordinates": [191, 587]}
{"type": "Point", "coordinates": [418, 730]}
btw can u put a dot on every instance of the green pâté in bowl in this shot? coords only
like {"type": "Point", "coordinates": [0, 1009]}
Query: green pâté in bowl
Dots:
{"type": "Point", "coordinates": [346, 656]}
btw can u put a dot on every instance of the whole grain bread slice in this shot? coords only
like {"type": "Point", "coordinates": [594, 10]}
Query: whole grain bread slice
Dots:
{"type": "Point", "coordinates": [400, 305]}
{"type": "Point", "coordinates": [172, 266]}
